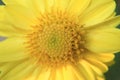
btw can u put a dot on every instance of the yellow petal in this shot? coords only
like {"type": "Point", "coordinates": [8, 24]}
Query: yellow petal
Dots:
{"type": "Point", "coordinates": [97, 62]}
{"type": "Point", "coordinates": [20, 16]}
{"type": "Point", "coordinates": [95, 3]}
{"type": "Point", "coordinates": [100, 78]}
{"type": "Point", "coordinates": [96, 65]}
{"type": "Point", "coordinates": [27, 3]}
{"type": "Point", "coordinates": [10, 30]}
{"type": "Point", "coordinates": [20, 2]}
{"type": "Point", "coordinates": [78, 6]}
{"type": "Point", "coordinates": [37, 3]}
{"type": "Point", "coordinates": [59, 74]}
{"type": "Point", "coordinates": [103, 41]}
{"type": "Point", "coordinates": [112, 16]}
{"type": "Point", "coordinates": [111, 23]}
{"type": "Point", "coordinates": [62, 4]}
{"type": "Point", "coordinates": [2, 12]}
{"type": "Point", "coordinates": [44, 74]}
{"type": "Point", "coordinates": [12, 49]}
{"type": "Point", "coordinates": [97, 70]}
{"type": "Point", "coordinates": [37, 6]}
{"type": "Point", "coordinates": [42, 5]}
{"type": "Point", "coordinates": [99, 14]}
{"type": "Point", "coordinates": [34, 75]}
{"type": "Point", "coordinates": [6, 28]}
{"type": "Point", "coordinates": [53, 74]}
{"type": "Point", "coordinates": [49, 4]}
{"type": "Point", "coordinates": [86, 70]}
{"type": "Point", "coordinates": [33, 6]}
{"type": "Point", "coordinates": [103, 57]}
{"type": "Point", "coordinates": [6, 67]}
{"type": "Point", "coordinates": [68, 73]}
{"type": "Point", "coordinates": [77, 72]}
{"type": "Point", "coordinates": [20, 71]}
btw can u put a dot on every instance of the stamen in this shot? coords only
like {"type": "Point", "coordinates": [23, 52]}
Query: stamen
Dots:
{"type": "Point", "coordinates": [56, 40]}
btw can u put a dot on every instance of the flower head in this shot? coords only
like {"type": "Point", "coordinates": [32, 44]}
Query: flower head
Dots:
{"type": "Point", "coordinates": [57, 39]}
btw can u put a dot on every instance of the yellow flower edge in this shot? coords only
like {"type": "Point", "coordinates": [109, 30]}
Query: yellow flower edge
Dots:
{"type": "Point", "coordinates": [57, 39]}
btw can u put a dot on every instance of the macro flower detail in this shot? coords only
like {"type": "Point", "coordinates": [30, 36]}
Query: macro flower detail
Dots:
{"type": "Point", "coordinates": [58, 39]}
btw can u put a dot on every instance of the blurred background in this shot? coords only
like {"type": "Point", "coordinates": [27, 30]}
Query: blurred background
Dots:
{"type": "Point", "coordinates": [114, 70]}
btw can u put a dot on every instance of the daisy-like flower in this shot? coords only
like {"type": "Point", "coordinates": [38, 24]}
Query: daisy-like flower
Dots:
{"type": "Point", "coordinates": [57, 39]}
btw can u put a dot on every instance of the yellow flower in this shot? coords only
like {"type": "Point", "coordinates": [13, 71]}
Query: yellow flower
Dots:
{"type": "Point", "coordinates": [57, 39]}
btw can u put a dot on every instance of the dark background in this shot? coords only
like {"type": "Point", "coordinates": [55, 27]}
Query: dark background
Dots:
{"type": "Point", "coordinates": [114, 70]}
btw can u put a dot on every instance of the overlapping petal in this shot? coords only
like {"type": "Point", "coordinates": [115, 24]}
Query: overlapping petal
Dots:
{"type": "Point", "coordinates": [103, 57]}
{"type": "Point", "coordinates": [6, 67]}
{"type": "Point", "coordinates": [98, 14]}
{"type": "Point", "coordinates": [104, 37]}
{"type": "Point", "coordinates": [95, 3]}
{"type": "Point", "coordinates": [20, 16]}
{"type": "Point", "coordinates": [10, 30]}
{"type": "Point", "coordinates": [110, 23]}
{"type": "Point", "coordinates": [44, 74]}
{"type": "Point", "coordinates": [20, 71]}
{"type": "Point", "coordinates": [35, 74]}
{"type": "Point", "coordinates": [12, 49]}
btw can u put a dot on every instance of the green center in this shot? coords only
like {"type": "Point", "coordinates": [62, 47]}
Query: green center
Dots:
{"type": "Point", "coordinates": [54, 41]}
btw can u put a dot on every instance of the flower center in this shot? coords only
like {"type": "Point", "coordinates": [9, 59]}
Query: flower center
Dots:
{"type": "Point", "coordinates": [57, 39]}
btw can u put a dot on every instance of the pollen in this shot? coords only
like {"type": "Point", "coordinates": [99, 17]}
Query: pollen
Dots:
{"type": "Point", "coordinates": [57, 39]}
